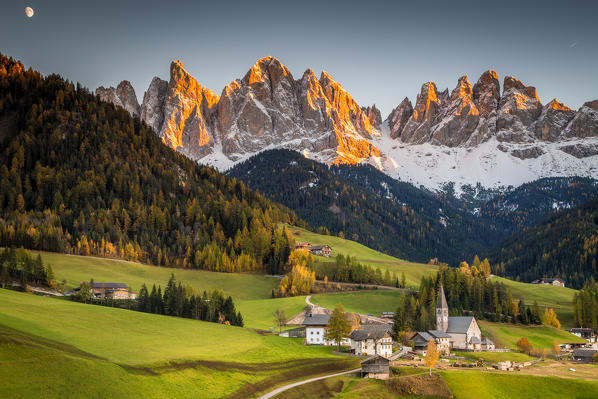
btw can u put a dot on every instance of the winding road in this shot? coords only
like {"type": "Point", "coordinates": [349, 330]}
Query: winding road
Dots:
{"type": "Point", "coordinates": [275, 392]}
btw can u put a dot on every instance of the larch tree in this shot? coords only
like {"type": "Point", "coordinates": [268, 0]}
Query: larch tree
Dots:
{"type": "Point", "coordinates": [431, 354]}
{"type": "Point", "coordinates": [280, 319]}
{"type": "Point", "coordinates": [339, 326]}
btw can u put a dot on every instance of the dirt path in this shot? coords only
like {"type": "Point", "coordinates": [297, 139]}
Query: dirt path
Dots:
{"type": "Point", "coordinates": [275, 392]}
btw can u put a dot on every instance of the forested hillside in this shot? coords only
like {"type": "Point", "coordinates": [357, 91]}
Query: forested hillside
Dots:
{"type": "Point", "coordinates": [81, 176]}
{"type": "Point", "coordinates": [564, 245]}
{"type": "Point", "coordinates": [408, 222]}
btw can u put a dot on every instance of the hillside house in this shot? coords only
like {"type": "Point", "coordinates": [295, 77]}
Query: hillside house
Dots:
{"type": "Point", "coordinates": [585, 333]}
{"type": "Point", "coordinates": [550, 281]}
{"type": "Point", "coordinates": [584, 355]}
{"type": "Point", "coordinates": [303, 245]}
{"type": "Point", "coordinates": [372, 339]}
{"type": "Point", "coordinates": [442, 340]}
{"type": "Point", "coordinates": [109, 291]}
{"type": "Point", "coordinates": [387, 315]}
{"type": "Point", "coordinates": [375, 367]}
{"type": "Point", "coordinates": [315, 330]}
{"type": "Point", "coordinates": [321, 250]}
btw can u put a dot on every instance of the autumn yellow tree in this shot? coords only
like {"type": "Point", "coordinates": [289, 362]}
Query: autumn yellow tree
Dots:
{"type": "Point", "coordinates": [431, 354]}
{"type": "Point", "coordinates": [549, 318]}
{"type": "Point", "coordinates": [556, 349]}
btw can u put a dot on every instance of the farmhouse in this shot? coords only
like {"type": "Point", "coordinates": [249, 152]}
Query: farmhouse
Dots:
{"type": "Point", "coordinates": [375, 367]}
{"type": "Point", "coordinates": [442, 340]}
{"type": "Point", "coordinates": [585, 333]}
{"type": "Point", "coordinates": [550, 281]}
{"type": "Point", "coordinates": [584, 355]}
{"type": "Point", "coordinates": [321, 250]}
{"type": "Point", "coordinates": [303, 245]}
{"type": "Point", "coordinates": [315, 330]}
{"type": "Point", "coordinates": [109, 291]}
{"type": "Point", "coordinates": [372, 339]}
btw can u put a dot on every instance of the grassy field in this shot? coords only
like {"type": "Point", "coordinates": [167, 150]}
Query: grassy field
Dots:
{"type": "Point", "coordinates": [75, 269]}
{"type": "Point", "coordinates": [258, 313]}
{"type": "Point", "coordinates": [340, 387]}
{"type": "Point", "coordinates": [47, 343]}
{"type": "Point", "coordinates": [481, 385]}
{"type": "Point", "coordinates": [365, 302]}
{"type": "Point", "coordinates": [539, 336]}
{"type": "Point", "coordinates": [558, 298]}
{"type": "Point", "coordinates": [495, 357]}
{"type": "Point", "coordinates": [413, 271]}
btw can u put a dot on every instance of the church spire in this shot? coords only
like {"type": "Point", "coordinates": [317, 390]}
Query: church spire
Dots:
{"type": "Point", "coordinates": [442, 319]}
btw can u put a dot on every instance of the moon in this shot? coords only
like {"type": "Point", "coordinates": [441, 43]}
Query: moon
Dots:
{"type": "Point", "coordinates": [29, 12]}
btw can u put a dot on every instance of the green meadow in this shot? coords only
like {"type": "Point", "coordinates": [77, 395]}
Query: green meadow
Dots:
{"type": "Point", "coordinates": [63, 348]}
{"type": "Point", "coordinates": [507, 335]}
{"type": "Point", "coordinates": [365, 302]}
{"type": "Point", "coordinates": [413, 271]}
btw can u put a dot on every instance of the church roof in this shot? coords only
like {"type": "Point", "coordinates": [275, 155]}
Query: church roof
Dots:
{"type": "Point", "coordinates": [441, 303]}
{"type": "Point", "coordinates": [459, 324]}
{"type": "Point", "coordinates": [438, 334]}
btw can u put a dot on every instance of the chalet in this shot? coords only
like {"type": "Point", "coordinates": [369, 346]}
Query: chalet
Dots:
{"type": "Point", "coordinates": [585, 333]}
{"type": "Point", "coordinates": [109, 291]}
{"type": "Point", "coordinates": [375, 367]}
{"type": "Point", "coordinates": [584, 355]}
{"type": "Point", "coordinates": [550, 281]}
{"type": "Point", "coordinates": [303, 245]}
{"type": "Point", "coordinates": [441, 338]}
{"type": "Point", "coordinates": [321, 250]}
{"type": "Point", "coordinates": [372, 339]}
{"type": "Point", "coordinates": [315, 330]}
{"type": "Point", "coordinates": [387, 315]}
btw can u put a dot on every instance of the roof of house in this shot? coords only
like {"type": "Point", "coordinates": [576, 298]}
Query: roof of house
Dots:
{"type": "Point", "coordinates": [487, 341]}
{"type": "Point", "coordinates": [375, 359]}
{"type": "Point", "coordinates": [438, 334]}
{"type": "Point", "coordinates": [316, 247]}
{"type": "Point", "coordinates": [108, 285]}
{"type": "Point", "coordinates": [424, 335]}
{"type": "Point", "coordinates": [474, 340]}
{"type": "Point", "coordinates": [302, 244]}
{"type": "Point", "coordinates": [441, 303]}
{"type": "Point", "coordinates": [547, 280]}
{"type": "Point", "coordinates": [584, 352]}
{"type": "Point", "coordinates": [581, 330]}
{"type": "Point", "coordinates": [370, 331]}
{"type": "Point", "coordinates": [316, 320]}
{"type": "Point", "coordinates": [459, 324]}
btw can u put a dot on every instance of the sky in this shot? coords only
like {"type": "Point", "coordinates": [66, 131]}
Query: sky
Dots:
{"type": "Point", "coordinates": [380, 51]}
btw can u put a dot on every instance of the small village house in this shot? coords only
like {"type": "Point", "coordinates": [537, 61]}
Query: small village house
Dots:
{"type": "Point", "coordinates": [109, 291]}
{"type": "Point", "coordinates": [375, 367]}
{"type": "Point", "coordinates": [442, 340]}
{"type": "Point", "coordinates": [372, 339]}
{"type": "Point", "coordinates": [316, 326]}
{"type": "Point", "coordinates": [584, 355]}
{"type": "Point", "coordinates": [550, 281]}
{"type": "Point", "coordinates": [387, 315]}
{"type": "Point", "coordinates": [321, 250]}
{"type": "Point", "coordinates": [303, 245]}
{"type": "Point", "coordinates": [585, 333]}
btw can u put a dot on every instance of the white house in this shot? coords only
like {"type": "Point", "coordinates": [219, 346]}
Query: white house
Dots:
{"type": "Point", "coordinates": [550, 281]}
{"type": "Point", "coordinates": [372, 339]}
{"type": "Point", "coordinates": [316, 326]}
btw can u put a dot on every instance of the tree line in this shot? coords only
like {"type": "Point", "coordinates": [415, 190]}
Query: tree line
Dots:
{"type": "Point", "coordinates": [82, 176]}
{"type": "Point", "coordinates": [17, 267]}
{"type": "Point", "coordinates": [585, 304]}
{"type": "Point", "coordinates": [176, 300]}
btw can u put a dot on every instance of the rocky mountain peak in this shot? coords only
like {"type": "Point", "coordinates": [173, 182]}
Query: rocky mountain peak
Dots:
{"type": "Point", "coordinates": [399, 117]}
{"type": "Point", "coordinates": [374, 116]}
{"type": "Point", "coordinates": [123, 96]}
{"type": "Point", "coordinates": [152, 108]}
{"type": "Point", "coordinates": [555, 104]}
{"type": "Point", "coordinates": [486, 93]}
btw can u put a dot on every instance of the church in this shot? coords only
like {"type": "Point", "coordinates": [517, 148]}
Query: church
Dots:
{"type": "Point", "coordinates": [452, 332]}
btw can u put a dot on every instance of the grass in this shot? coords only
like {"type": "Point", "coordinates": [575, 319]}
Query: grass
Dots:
{"type": "Point", "coordinates": [339, 387]}
{"type": "Point", "coordinates": [258, 313]}
{"type": "Point", "coordinates": [539, 336]}
{"type": "Point", "coordinates": [413, 271]}
{"type": "Point", "coordinates": [364, 302]}
{"type": "Point", "coordinates": [62, 348]}
{"type": "Point", "coordinates": [75, 269]}
{"type": "Point", "coordinates": [495, 357]}
{"type": "Point", "coordinates": [480, 385]}
{"type": "Point", "coordinates": [558, 298]}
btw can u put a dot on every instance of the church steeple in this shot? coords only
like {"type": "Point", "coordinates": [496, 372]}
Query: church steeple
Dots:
{"type": "Point", "coordinates": [441, 311]}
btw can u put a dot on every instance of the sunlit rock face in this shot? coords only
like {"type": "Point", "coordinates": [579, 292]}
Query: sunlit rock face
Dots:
{"type": "Point", "coordinates": [518, 109]}
{"type": "Point", "coordinates": [585, 122]}
{"type": "Point", "coordinates": [399, 117]}
{"type": "Point", "coordinates": [554, 118]}
{"type": "Point", "coordinates": [373, 115]}
{"type": "Point", "coordinates": [123, 96]}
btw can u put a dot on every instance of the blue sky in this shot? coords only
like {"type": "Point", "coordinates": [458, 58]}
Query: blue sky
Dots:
{"type": "Point", "coordinates": [380, 51]}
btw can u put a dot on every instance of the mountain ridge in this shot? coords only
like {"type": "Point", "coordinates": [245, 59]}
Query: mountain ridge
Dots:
{"type": "Point", "coordinates": [268, 108]}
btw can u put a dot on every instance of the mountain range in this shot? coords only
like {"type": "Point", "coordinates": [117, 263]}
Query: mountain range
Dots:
{"type": "Point", "coordinates": [472, 134]}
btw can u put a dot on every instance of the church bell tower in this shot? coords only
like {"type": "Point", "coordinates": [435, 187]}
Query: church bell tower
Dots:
{"type": "Point", "coordinates": [442, 316]}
